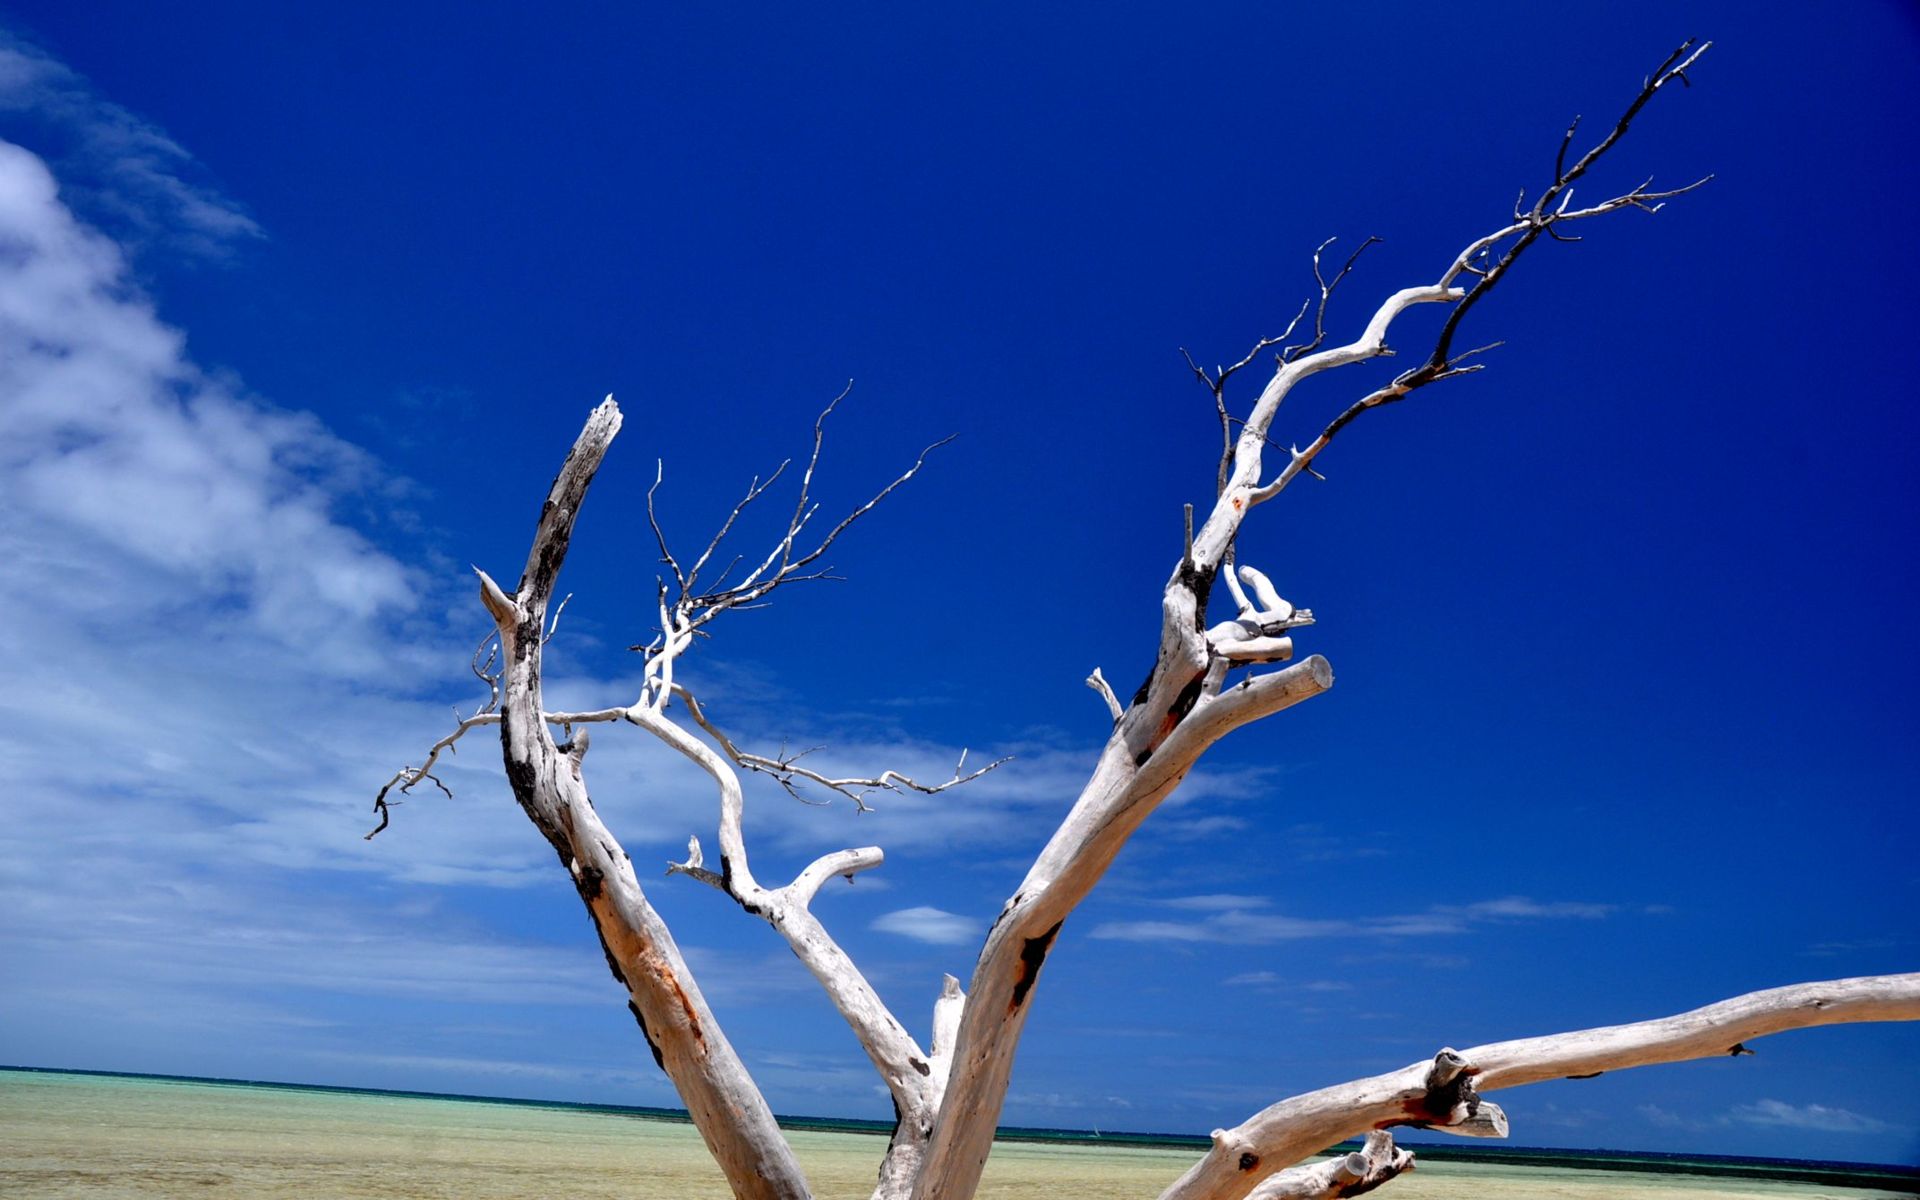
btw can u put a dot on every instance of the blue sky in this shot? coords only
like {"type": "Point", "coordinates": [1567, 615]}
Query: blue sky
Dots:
{"type": "Point", "coordinates": [298, 314]}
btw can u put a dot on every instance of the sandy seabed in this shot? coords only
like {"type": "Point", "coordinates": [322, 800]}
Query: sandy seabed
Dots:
{"type": "Point", "coordinates": [61, 1136]}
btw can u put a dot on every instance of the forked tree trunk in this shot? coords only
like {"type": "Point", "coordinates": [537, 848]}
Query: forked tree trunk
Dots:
{"type": "Point", "coordinates": [949, 1097]}
{"type": "Point", "coordinates": [686, 1040]}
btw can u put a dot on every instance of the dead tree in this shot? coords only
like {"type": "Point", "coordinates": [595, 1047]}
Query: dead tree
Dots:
{"type": "Point", "coordinates": [1209, 678]}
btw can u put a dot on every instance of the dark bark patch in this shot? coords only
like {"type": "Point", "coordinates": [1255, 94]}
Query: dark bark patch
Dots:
{"type": "Point", "coordinates": [919, 1066]}
{"type": "Point", "coordinates": [1176, 712]}
{"type": "Point", "coordinates": [1032, 954]}
{"type": "Point", "coordinates": [1249, 1161]}
{"type": "Point", "coordinates": [1588, 1075]}
{"type": "Point", "coordinates": [1184, 702]}
{"type": "Point", "coordinates": [1437, 1104]}
{"type": "Point", "coordinates": [647, 1034]}
{"type": "Point", "coordinates": [1200, 583]}
{"type": "Point", "coordinates": [1005, 911]}
{"type": "Point", "coordinates": [1361, 1187]}
{"type": "Point", "coordinates": [1140, 759]}
{"type": "Point", "coordinates": [588, 882]}
{"type": "Point", "coordinates": [1141, 693]}
{"type": "Point", "coordinates": [613, 964]}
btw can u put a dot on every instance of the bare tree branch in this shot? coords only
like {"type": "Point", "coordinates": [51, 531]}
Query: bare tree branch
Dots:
{"type": "Point", "coordinates": [1098, 683]}
{"type": "Point", "coordinates": [1327, 287]}
{"type": "Point", "coordinates": [1206, 681]}
{"type": "Point", "coordinates": [785, 769]}
{"type": "Point", "coordinates": [547, 780]}
{"type": "Point", "coordinates": [1355, 1174]}
{"type": "Point", "coordinates": [1184, 704]}
{"type": "Point", "coordinates": [903, 1066]}
{"type": "Point", "coordinates": [1445, 1092]}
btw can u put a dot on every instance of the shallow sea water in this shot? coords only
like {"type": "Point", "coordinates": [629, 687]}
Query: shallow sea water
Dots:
{"type": "Point", "coordinates": [108, 1138]}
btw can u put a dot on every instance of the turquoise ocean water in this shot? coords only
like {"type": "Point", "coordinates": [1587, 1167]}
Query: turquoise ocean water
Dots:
{"type": "Point", "coordinates": [97, 1134]}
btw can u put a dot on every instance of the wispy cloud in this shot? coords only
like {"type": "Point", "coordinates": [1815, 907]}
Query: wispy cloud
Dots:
{"type": "Point", "coordinates": [144, 486]}
{"type": "Point", "coordinates": [1248, 920]}
{"type": "Point", "coordinates": [1273, 981]}
{"type": "Point", "coordinates": [1192, 829]}
{"type": "Point", "coordinates": [1253, 979]}
{"type": "Point", "coordinates": [1216, 902]}
{"type": "Point", "coordinates": [1772, 1114]}
{"type": "Point", "coordinates": [203, 660]}
{"type": "Point", "coordinates": [1312, 843]}
{"type": "Point", "coordinates": [210, 668]}
{"type": "Point", "coordinates": [1522, 908]}
{"type": "Point", "coordinates": [126, 173]}
{"type": "Point", "coordinates": [927, 924]}
{"type": "Point", "coordinates": [1838, 949]}
{"type": "Point", "coordinates": [1816, 1117]}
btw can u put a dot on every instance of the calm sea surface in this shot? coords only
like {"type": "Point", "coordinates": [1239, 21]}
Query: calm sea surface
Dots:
{"type": "Point", "coordinates": [116, 1136]}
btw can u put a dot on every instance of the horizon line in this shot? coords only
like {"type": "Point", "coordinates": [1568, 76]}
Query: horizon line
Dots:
{"type": "Point", "coordinates": [1609, 1159]}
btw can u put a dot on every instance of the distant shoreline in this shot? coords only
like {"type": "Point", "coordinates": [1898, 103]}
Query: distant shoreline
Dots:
{"type": "Point", "coordinates": [1843, 1174]}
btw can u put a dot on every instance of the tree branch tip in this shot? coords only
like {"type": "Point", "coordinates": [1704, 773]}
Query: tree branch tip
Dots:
{"type": "Point", "coordinates": [1320, 669]}
{"type": "Point", "coordinates": [1449, 1065]}
{"type": "Point", "coordinates": [497, 602]}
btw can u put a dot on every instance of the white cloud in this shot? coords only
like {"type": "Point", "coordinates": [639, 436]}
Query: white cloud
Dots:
{"type": "Point", "coordinates": [210, 673]}
{"type": "Point", "coordinates": [1247, 920]}
{"type": "Point", "coordinates": [206, 671]}
{"type": "Point", "coordinates": [1273, 981]}
{"type": "Point", "coordinates": [1772, 1114]}
{"type": "Point", "coordinates": [1216, 902]}
{"type": "Point", "coordinates": [927, 924]}
{"type": "Point", "coordinates": [129, 174]}
{"type": "Point", "coordinates": [121, 463]}
{"type": "Point", "coordinates": [1524, 908]}
{"type": "Point", "coordinates": [1815, 1117]}
{"type": "Point", "coordinates": [1189, 829]}
{"type": "Point", "coordinates": [1253, 979]}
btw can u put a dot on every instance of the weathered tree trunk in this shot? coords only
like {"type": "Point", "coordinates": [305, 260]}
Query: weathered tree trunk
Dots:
{"type": "Point", "coordinates": [948, 1098]}
{"type": "Point", "coordinates": [1144, 761]}
{"type": "Point", "coordinates": [680, 1029]}
{"type": "Point", "coordinates": [1185, 705]}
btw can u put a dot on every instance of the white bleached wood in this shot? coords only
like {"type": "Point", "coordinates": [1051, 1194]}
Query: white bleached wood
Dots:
{"type": "Point", "coordinates": [1256, 649]}
{"type": "Point", "coordinates": [1272, 607]}
{"type": "Point", "coordinates": [949, 1097]}
{"type": "Point", "coordinates": [946, 1028]}
{"type": "Point", "coordinates": [842, 863]}
{"type": "Point", "coordinates": [1378, 1161]}
{"type": "Point", "coordinates": [1289, 1131]}
{"type": "Point", "coordinates": [1185, 704]}
{"type": "Point", "coordinates": [1098, 683]}
{"type": "Point", "coordinates": [902, 1065]}
{"type": "Point", "coordinates": [1486, 1120]}
{"type": "Point", "coordinates": [907, 1070]}
{"type": "Point", "coordinates": [726, 1106]}
{"type": "Point", "coordinates": [1140, 766]}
